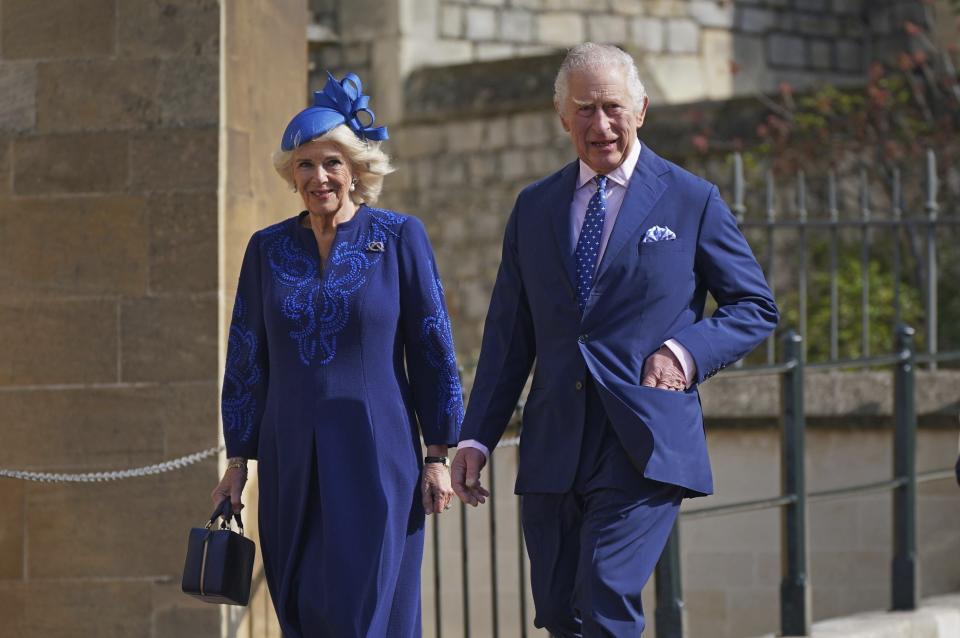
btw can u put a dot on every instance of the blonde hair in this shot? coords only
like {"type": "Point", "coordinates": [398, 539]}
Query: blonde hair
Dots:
{"type": "Point", "coordinates": [367, 161]}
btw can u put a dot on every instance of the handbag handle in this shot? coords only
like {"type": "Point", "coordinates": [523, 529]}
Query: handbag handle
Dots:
{"type": "Point", "coordinates": [224, 511]}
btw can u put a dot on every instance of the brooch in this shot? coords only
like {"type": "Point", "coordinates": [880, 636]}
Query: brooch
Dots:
{"type": "Point", "coordinates": [375, 247]}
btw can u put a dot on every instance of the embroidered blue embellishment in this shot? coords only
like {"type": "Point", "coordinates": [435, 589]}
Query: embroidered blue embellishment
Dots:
{"type": "Point", "coordinates": [319, 307]}
{"type": "Point", "coordinates": [387, 218]}
{"type": "Point", "coordinates": [241, 376]}
{"type": "Point", "coordinates": [437, 338]}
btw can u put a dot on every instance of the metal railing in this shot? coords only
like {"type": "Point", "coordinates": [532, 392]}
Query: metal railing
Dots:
{"type": "Point", "coordinates": [908, 243]}
{"type": "Point", "coordinates": [795, 587]}
{"type": "Point", "coordinates": [795, 592]}
{"type": "Point", "coordinates": [465, 581]}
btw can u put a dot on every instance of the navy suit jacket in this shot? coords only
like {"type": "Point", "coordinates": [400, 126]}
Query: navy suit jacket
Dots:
{"type": "Point", "coordinates": [643, 294]}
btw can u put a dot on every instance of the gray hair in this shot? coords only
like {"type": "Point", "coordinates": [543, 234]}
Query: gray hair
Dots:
{"type": "Point", "coordinates": [367, 161]}
{"type": "Point", "coordinates": [590, 56]}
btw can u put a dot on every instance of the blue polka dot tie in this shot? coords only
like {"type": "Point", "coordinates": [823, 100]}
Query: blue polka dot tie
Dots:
{"type": "Point", "coordinates": [588, 244]}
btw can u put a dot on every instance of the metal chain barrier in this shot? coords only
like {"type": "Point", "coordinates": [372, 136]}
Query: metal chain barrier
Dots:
{"type": "Point", "coordinates": [147, 470]}
{"type": "Point", "coordinates": [158, 468]}
{"type": "Point", "coordinates": [115, 475]}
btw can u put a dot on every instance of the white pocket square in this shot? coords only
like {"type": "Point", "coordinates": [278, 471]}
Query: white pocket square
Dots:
{"type": "Point", "coordinates": [658, 233]}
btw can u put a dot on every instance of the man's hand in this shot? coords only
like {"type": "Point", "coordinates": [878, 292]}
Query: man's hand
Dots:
{"type": "Point", "coordinates": [662, 370]}
{"type": "Point", "coordinates": [465, 473]}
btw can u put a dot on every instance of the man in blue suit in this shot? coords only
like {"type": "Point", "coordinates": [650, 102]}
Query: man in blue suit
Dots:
{"type": "Point", "coordinates": [605, 269]}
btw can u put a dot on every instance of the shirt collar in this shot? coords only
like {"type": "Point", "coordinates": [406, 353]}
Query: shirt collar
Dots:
{"type": "Point", "coordinates": [620, 175]}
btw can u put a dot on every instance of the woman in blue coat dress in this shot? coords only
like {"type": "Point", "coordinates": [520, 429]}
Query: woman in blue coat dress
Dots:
{"type": "Point", "coordinates": [340, 358]}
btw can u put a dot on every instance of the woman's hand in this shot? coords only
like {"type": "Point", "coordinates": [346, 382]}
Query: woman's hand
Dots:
{"type": "Point", "coordinates": [435, 488]}
{"type": "Point", "coordinates": [231, 486]}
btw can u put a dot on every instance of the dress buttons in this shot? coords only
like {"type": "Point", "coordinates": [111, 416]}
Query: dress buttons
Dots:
{"type": "Point", "coordinates": [578, 385]}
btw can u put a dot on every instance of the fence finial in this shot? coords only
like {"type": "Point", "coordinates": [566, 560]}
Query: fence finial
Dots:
{"type": "Point", "coordinates": [932, 208]}
{"type": "Point", "coordinates": [864, 195]}
{"type": "Point", "coordinates": [801, 196]}
{"type": "Point", "coordinates": [832, 207]}
{"type": "Point", "coordinates": [933, 185]}
{"type": "Point", "coordinates": [739, 188]}
{"type": "Point", "coordinates": [771, 195]}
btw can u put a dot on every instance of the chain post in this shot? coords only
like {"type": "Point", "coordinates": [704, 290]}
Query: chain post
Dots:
{"type": "Point", "coordinates": [906, 583]}
{"type": "Point", "coordinates": [795, 608]}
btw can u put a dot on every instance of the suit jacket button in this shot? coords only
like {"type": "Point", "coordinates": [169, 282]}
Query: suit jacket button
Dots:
{"type": "Point", "coordinates": [578, 385]}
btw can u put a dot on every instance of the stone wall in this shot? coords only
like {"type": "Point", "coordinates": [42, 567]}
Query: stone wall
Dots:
{"type": "Point", "coordinates": [686, 46]}
{"type": "Point", "coordinates": [687, 50]}
{"type": "Point", "coordinates": [108, 308]}
{"type": "Point", "coordinates": [731, 564]}
{"type": "Point", "coordinates": [461, 179]}
{"type": "Point", "coordinates": [117, 265]}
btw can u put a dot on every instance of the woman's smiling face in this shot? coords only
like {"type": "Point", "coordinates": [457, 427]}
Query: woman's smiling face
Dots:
{"type": "Point", "coordinates": [323, 176]}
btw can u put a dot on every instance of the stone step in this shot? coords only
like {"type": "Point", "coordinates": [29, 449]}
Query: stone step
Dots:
{"type": "Point", "coordinates": [937, 617]}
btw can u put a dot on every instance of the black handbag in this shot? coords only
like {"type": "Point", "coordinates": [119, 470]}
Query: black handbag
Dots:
{"type": "Point", "coordinates": [219, 562]}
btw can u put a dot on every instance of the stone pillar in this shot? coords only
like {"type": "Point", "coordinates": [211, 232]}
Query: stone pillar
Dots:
{"type": "Point", "coordinates": [118, 256]}
{"type": "Point", "coordinates": [264, 67]}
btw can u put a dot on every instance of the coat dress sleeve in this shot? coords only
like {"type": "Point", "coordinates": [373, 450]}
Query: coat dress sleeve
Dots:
{"type": "Point", "coordinates": [245, 374]}
{"type": "Point", "coordinates": [428, 340]}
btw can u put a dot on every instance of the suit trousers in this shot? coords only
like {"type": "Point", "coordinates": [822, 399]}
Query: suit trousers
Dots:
{"type": "Point", "coordinates": [593, 548]}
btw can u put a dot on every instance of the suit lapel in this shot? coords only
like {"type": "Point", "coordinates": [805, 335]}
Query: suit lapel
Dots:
{"type": "Point", "coordinates": [557, 205]}
{"type": "Point", "coordinates": [642, 194]}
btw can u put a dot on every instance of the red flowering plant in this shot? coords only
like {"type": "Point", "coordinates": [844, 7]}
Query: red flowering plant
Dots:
{"type": "Point", "coordinates": [909, 102]}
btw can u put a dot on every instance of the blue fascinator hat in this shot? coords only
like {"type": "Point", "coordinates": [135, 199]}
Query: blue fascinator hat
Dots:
{"type": "Point", "coordinates": [340, 102]}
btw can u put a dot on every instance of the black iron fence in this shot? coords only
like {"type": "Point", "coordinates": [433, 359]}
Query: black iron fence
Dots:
{"type": "Point", "coordinates": [795, 593]}
{"type": "Point", "coordinates": [807, 225]}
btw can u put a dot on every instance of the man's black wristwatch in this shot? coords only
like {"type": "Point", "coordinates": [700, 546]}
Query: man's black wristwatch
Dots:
{"type": "Point", "coordinates": [436, 459]}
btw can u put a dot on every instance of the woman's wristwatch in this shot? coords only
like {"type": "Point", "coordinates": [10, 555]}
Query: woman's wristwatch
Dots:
{"type": "Point", "coordinates": [436, 459]}
{"type": "Point", "coordinates": [237, 462]}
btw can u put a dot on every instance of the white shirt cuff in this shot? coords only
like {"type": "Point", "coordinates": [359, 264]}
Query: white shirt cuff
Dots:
{"type": "Point", "coordinates": [686, 360]}
{"type": "Point", "coordinates": [474, 444]}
